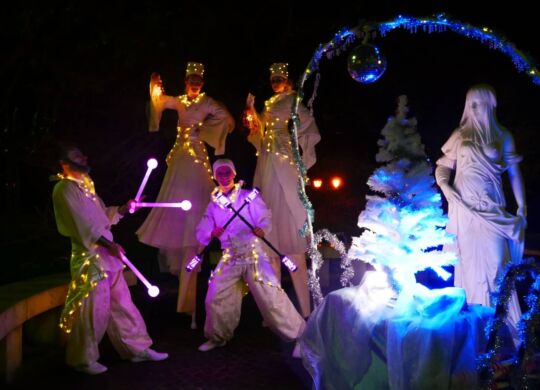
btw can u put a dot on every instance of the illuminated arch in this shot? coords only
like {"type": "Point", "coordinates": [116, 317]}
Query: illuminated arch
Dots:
{"type": "Point", "coordinates": [340, 43]}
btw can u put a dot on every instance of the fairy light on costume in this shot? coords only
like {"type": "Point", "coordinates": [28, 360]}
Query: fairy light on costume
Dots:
{"type": "Point", "coordinates": [185, 100]}
{"type": "Point", "coordinates": [274, 136]}
{"type": "Point", "coordinates": [187, 140]}
{"type": "Point", "coordinates": [89, 273]}
{"type": "Point", "coordinates": [86, 184]}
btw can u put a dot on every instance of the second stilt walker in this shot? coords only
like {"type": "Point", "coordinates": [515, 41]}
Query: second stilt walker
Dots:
{"type": "Point", "coordinates": [277, 175]}
{"type": "Point", "coordinates": [201, 120]}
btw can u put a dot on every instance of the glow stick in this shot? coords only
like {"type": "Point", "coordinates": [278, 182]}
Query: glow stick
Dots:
{"type": "Point", "coordinates": [194, 262]}
{"type": "Point", "coordinates": [153, 291]}
{"type": "Point", "coordinates": [222, 200]}
{"type": "Point", "coordinates": [151, 165]}
{"type": "Point", "coordinates": [289, 264]}
{"type": "Point", "coordinates": [184, 205]}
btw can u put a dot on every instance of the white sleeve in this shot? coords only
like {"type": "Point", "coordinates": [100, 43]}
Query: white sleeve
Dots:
{"type": "Point", "coordinates": [73, 218]}
{"type": "Point", "coordinates": [216, 126]}
{"type": "Point", "coordinates": [205, 226]}
{"type": "Point", "coordinates": [308, 136]}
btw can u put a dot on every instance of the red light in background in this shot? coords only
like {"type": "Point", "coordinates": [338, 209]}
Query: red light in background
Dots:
{"type": "Point", "coordinates": [317, 183]}
{"type": "Point", "coordinates": [337, 182]}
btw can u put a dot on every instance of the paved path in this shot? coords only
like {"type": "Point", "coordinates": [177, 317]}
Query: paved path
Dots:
{"type": "Point", "coordinates": [254, 359]}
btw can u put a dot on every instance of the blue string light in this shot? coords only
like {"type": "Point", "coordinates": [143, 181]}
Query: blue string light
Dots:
{"type": "Point", "coordinates": [485, 35]}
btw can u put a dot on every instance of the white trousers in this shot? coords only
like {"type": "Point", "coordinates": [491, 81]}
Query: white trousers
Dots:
{"type": "Point", "coordinates": [224, 300]}
{"type": "Point", "coordinates": [108, 308]}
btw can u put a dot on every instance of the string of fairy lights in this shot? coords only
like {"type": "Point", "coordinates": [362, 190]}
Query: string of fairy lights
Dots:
{"type": "Point", "coordinates": [340, 43]}
{"type": "Point", "coordinates": [485, 35]}
{"type": "Point", "coordinates": [185, 141]}
{"type": "Point", "coordinates": [514, 271]}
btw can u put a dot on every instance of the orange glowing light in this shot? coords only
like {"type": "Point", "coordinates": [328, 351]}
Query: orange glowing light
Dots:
{"type": "Point", "coordinates": [157, 91]}
{"type": "Point", "coordinates": [317, 183]}
{"type": "Point", "coordinates": [337, 182]}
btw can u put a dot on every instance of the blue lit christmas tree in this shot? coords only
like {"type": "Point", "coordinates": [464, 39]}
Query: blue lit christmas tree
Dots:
{"type": "Point", "coordinates": [404, 223]}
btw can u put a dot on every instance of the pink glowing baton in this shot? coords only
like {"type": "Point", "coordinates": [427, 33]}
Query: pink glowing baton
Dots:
{"type": "Point", "coordinates": [151, 165]}
{"type": "Point", "coordinates": [184, 205]}
{"type": "Point", "coordinates": [153, 291]}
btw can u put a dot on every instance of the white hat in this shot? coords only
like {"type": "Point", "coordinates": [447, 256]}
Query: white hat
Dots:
{"type": "Point", "coordinates": [223, 162]}
{"type": "Point", "coordinates": [279, 69]}
{"type": "Point", "coordinates": [195, 68]}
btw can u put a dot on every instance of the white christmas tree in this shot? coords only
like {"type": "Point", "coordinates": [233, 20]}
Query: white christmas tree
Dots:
{"type": "Point", "coordinates": [404, 226]}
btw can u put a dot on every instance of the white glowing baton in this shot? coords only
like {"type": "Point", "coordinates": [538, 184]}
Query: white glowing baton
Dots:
{"type": "Point", "coordinates": [151, 165]}
{"type": "Point", "coordinates": [184, 205]}
{"type": "Point", "coordinates": [153, 291]}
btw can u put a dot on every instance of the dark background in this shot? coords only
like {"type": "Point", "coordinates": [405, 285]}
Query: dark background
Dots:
{"type": "Point", "coordinates": [80, 71]}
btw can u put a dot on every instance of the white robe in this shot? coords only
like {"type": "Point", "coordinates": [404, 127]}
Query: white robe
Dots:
{"type": "Point", "coordinates": [276, 173]}
{"type": "Point", "coordinates": [189, 174]}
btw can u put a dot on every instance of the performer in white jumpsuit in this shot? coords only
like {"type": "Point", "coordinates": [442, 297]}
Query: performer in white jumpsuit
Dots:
{"type": "Point", "coordinates": [243, 261]}
{"type": "Point", "coordinates": [98, 299]}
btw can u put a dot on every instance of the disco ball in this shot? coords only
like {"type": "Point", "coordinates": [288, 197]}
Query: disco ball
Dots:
{"type": "Point", "coordinates": [366, 63]}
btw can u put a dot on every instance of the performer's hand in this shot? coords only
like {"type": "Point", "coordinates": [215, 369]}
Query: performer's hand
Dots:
{"type": "Point", "coordinates": [122, 210]}
{"type": "Point", "coordinates": [258, 232]}
{"type": "Point", "coordinates": [156, 86]}
{"type": "Point", "coordinates": [217, 232]}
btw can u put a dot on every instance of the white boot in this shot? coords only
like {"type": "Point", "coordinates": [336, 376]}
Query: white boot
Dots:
{"type": "Point", "coordinates": [209, 345]}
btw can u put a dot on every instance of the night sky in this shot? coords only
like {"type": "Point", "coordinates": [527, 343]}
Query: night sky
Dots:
{"type": "Point", "coordinates": [79, 71]}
